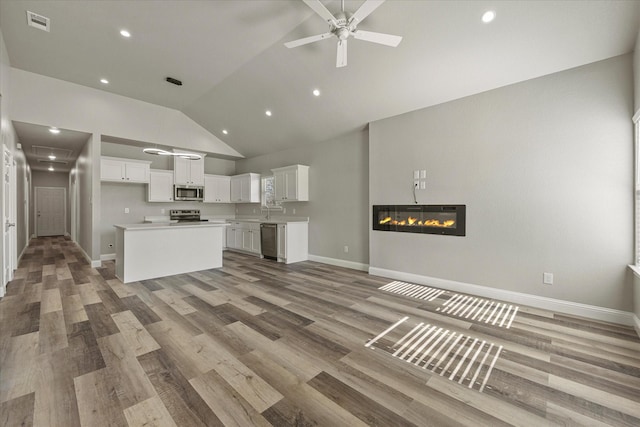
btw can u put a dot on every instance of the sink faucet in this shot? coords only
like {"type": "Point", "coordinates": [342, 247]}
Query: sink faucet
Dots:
{"type": "Point", "coordinates": [267, 217]}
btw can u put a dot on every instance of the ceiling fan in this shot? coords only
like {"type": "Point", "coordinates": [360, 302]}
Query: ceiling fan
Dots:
{"type": "Point", "coordinates": [343, 25]}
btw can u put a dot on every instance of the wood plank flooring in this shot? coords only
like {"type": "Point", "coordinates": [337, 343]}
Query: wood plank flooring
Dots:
{"type": "Point", "coordinates": [257, 343]}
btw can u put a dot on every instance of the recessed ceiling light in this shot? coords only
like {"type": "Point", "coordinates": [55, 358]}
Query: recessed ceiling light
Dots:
{"type": "Point", "coordinates": [316, 92]}
{"type": "Point", "coordinates": [488, 16]}
{"type": "Point", "coordinates": [52, 157]}
{"type": "Point", "coordinates": [125, 33]}
{"type": "Point", "coordinates": [226, 132]}
{"type": "Point", "coordinates": [268, 113]}
{"type": "Point", "coordinates": [104, 81]}
{"type": "Point", "coordinates": [54, 130]}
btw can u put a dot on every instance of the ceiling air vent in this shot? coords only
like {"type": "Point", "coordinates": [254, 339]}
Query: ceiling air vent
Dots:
{"type": "Point", "coordinates": [60, 162]}
{"type": "Point", "coordinates": [38, 21]}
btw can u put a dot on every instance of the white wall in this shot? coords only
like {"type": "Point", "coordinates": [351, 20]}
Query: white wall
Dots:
{"type": "Point", "coordinates": [47, 101]}
{"type": "Point", "coordinates": [338, 193]}
{"type": "Point", "coordinates": [9, 139]}
{"type": "Point", "coordinates": [636, 72]}
{"type": "Point", "coordinates": [545, 169]}
{"type": "Point", "coordinates": [83, 171]}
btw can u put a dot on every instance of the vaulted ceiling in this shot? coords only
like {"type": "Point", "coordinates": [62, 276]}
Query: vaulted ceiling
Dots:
{"type": "Point", "coordinates": [233, 64]}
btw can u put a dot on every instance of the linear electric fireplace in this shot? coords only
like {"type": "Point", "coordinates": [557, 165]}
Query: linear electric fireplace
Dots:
{"type": "Point", "coordinates": [425, 219]}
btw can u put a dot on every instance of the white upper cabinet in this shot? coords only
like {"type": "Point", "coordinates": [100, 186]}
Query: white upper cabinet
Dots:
{"type": "Point", "coordinates": [217, 189]}
{"type": "Point", "coordinates": [124, 170]}
{"type": "Point", "coordinates": [245, 188]}
{"type": "Point", "coordinates": [188, 172]}
{"type": "Point", "coordinates": [291, 183]}
{"type": "Point", "coordinates": [160, 186]}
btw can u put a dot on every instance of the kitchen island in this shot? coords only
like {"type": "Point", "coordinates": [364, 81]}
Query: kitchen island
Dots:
{"type": "Point", "coordinates": [148, 251]}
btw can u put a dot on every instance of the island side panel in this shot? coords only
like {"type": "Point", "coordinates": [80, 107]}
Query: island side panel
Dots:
{"type": "Point", "coordinates": [152, 253]}
{"type": "Point", "coordinates": [297, 242]}
{"type": "Point", "coordinates": [120, 253]}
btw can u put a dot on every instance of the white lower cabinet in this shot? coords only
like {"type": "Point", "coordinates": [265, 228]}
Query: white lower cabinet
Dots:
{"type": "Point", "coordinates": [244, 236]}
{"type": "Point", "coordinates": [293, 239]}
{"type": "Point", "coordinates": [293, 242]}
{"type": "Point", "coordinates": [282, 241]}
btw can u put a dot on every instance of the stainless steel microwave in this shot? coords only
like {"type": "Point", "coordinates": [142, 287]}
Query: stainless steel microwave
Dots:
{"type": "Point", "coordinates": [188, 192]}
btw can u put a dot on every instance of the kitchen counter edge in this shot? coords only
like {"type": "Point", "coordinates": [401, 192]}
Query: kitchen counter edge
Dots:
{"type": "Point", "coordinates": [159, 225]}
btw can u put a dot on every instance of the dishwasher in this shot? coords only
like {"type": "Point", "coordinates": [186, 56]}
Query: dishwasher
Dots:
{"type": "Point", "coordinates": [269, 240]}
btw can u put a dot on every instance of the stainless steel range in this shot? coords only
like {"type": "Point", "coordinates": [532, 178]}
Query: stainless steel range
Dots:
{"type": "Point", "coordinates": [186, 215]}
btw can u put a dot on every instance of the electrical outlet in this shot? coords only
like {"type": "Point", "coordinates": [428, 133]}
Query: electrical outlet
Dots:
{"type": "Point", "coordinates": [547, 278]}
{"type": "Point", "coordinates": [126, 210]}
{"type": "Point", "coordinates": [254, 210]}
{"type": "Point", "coordinates": [416, 174]}
{"type": "Point", "coordinates": [161, 210]}
{"type": "Point", "coordinates": [423, 174]}
{"type": "Point", "coordinates": [423, 185]}
{"type": "Point", "coordinates": [110, 245]}
{"type": "Point", "coordinates": [416, 184]}
{"type": "Point", "coordinates": [346, 249]}
{"type": "Point", "coordinates": [294, 211]}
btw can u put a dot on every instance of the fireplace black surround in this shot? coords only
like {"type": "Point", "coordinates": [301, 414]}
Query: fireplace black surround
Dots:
{"type": "Point", "coordinates": [426, 219]}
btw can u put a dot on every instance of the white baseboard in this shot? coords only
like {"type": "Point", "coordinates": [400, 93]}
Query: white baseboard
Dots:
{"type": "Point", "coordinates": [568, 307]}
{"type": "Point", "coordinates": [22, 253]}
{"type": "Point", "coordinates": [94, 263]}
{"type": "Point", "coordinates": [339, 262]}
{"type": "Point", "coordinates": [107, 257]}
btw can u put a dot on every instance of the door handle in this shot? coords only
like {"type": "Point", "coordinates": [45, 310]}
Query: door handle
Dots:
{"type": "Point", "coordinates": [11, 224]}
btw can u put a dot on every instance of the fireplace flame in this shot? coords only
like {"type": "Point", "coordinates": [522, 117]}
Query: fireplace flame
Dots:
{"type": "Point", "coordinates": [385, 220]}
{"type": "Point", "coordinates": [411, 221]}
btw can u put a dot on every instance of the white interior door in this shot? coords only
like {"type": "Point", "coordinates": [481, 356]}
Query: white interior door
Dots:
{"type": "Point", "coordinates": [9, 218]}
{"type": "Point", "coordinates": [50, 211]}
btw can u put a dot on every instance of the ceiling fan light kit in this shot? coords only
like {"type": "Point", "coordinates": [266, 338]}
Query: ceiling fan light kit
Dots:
{"type": "Point", "coordinates": [343, 25]}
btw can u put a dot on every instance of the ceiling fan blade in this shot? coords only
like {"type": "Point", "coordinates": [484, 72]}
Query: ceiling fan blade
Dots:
{"type": "Point", "coordinates": [321, 10]}
{"type": "Point", "coordinates": [380, 38]}
{"type": "Point", "coordinates": [365, 10]}
{"type": "Point", "coordinates": [307, 40]}
{"type": "Point", "coordinates": [341, 59]}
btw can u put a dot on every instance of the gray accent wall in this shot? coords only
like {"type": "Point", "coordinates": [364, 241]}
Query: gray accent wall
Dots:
{"type": "Point", "coordinates": [545, 168]}
{"type": "Point", "coordinates": [338, 194]}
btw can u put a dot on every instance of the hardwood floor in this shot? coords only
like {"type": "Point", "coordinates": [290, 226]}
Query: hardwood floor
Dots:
{"type": "Point", "coordinates": [261, 343]}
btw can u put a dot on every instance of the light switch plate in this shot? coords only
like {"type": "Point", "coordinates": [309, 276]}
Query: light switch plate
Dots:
{"type": "Point", "coordinates": [547, 278]}
{"type": "Point", "coordinates": [416, 174]}
{"type": "Point", "coordinates": [423, 185]}
{"type": "Point", "coordinates": [423, 174]}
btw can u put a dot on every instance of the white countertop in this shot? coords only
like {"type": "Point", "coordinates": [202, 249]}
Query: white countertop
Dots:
{"type": "Point", "coordinates": [167, 225]}
{"type": "Point", "coordinates": [269, 221]}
